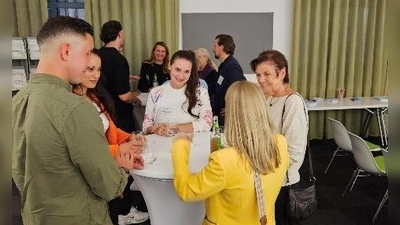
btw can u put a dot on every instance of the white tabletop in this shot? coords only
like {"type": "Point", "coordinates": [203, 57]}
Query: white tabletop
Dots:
{"type": "Point", "coordinates": [348, 103]}
{"type": "Point", "coordinates": [162, 167]}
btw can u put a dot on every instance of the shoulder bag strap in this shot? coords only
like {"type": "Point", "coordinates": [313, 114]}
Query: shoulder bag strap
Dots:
{"type": "Point", "coordinates": [312, 178]}
{"type": "Point", "coordinates": [260, 198]}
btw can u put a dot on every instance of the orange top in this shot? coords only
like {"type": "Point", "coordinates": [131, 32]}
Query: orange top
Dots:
{"type": "Point", "coordinates": [115, 136]}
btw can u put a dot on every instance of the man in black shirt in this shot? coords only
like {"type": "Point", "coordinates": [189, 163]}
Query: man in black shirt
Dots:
{"type": "Point", "coordinates": [115, 68]}
{"type": "Point", "coordinates": [229, 72]}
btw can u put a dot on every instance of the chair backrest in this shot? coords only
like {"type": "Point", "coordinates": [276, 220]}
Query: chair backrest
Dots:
{"type": "Point", "coordinates": [363, 156]}
{"type": "Point", "coordinates": [340, 135]}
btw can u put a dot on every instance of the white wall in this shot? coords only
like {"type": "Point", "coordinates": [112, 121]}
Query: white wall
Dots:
{"type": "Point", "coordinates": [283, 17]}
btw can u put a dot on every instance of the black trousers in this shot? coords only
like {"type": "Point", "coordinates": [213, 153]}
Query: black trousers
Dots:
{"type": "Point", "coordinates": [281, 217]}
{"type": "Point", "coordinates": [122, 206]}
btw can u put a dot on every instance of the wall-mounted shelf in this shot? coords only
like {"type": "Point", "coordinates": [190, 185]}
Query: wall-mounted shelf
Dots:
{"type": "Point", "coordinates": [33, 47]}
{"type": "Point", "coordinates": [18, 78]}
{"type": "Point", "coordinates": [25, 56]}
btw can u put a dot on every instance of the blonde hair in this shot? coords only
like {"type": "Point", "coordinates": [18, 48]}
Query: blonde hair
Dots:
{"type": "Point", "coordinates": [204, 52]}
{"type": "Point", "coordinates": [248, 128]}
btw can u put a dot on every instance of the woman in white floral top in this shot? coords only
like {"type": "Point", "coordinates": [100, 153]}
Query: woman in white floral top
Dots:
{"type": "Point", "coordinates": [180, 105]}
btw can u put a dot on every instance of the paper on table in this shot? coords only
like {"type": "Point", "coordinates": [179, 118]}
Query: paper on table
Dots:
{"type": "Point", "coordinates": [311, 103]}
{"type": "Point", "coordinates": [382, 98]}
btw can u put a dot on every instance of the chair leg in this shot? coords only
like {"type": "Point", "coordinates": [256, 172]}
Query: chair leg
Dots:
{"type": "Point", "coordinates": [330, 162]}
{"type": "Point", "coordinates": [352, 181]}
{"type": "Point", "coordinates": [384, 199]}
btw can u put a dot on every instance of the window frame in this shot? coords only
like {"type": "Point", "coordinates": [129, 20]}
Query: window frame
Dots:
{"type": "Point", "coordinates": [54, 5]}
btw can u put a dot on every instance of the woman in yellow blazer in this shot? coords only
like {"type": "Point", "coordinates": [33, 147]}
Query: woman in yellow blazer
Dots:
{"type": "Point", "coordinates": [227, 183]}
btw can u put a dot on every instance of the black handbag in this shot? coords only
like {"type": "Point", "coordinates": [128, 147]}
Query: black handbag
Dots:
{"type": "Point", "coordinates": [302, 198]}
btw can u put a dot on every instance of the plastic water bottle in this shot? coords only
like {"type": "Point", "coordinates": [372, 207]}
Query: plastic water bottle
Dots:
{"type": "Point", "coordinates": [215, 139]}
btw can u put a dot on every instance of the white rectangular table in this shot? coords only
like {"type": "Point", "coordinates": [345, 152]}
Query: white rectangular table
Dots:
{"type": "Point", "coordinates": [371, 104]}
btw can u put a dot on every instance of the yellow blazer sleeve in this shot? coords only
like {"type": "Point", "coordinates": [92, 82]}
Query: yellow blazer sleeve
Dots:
{"type": "Point", "coordinates": [194, 187]}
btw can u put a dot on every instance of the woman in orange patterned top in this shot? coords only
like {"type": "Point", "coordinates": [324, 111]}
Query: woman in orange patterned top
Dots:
{"type": "Point", "coordinates": [119, 141]}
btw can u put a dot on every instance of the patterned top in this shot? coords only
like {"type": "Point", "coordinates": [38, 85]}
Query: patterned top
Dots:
{"type": "Point", "coordinates": [168, 105]}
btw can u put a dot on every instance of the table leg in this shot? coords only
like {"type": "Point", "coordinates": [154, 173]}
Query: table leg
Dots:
{"type": "Point", "coordinates": [382, 127]}
{"type": "Point", "coordinates": [367, 121]}
{"type": "Point", "coordinates": [164, 205]}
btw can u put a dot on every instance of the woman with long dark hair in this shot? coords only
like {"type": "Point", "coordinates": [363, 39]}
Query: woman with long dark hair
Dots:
{"type": "Point", "coordinates": [181, 105]}
{"type": "Point", "coordinates": [119, 141]}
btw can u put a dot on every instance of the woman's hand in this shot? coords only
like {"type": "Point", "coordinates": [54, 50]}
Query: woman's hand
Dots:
{"type": "Point", "coordinates": [180, 148]}
{"type": "Point", "coordinates": [130, 146]}
{"type": "Point", "coordinates": [138, 139]}
{"type": "Point", "coordinates": [164, 129]}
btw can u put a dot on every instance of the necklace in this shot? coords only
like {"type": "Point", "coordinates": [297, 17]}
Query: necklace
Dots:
{"type": "Point", "coordinates": [270, 101]}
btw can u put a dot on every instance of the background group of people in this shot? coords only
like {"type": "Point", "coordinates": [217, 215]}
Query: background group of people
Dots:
{"type": "Point", "coordinates": [61, 149]}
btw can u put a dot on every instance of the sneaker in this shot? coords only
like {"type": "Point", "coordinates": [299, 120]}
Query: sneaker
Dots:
{"type": "Point", "coordinates": [133, 217]}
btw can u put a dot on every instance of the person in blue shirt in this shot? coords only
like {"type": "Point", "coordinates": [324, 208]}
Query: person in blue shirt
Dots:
{"type": "Point", "coordinates": [229, 72]}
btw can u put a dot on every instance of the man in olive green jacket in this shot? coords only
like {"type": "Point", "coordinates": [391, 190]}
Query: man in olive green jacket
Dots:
{"type": "Point", "coordinates": [61, 163]}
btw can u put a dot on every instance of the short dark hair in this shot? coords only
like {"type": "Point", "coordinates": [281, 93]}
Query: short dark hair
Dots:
{"type": "Point", "coordinates": [228, 43]}
{"type": "Point", "coordinates": [110, 30]}
{"type": "Point", "coordinates": [62, 25]}
{"type": "Point", "coordinates": [275, 57]}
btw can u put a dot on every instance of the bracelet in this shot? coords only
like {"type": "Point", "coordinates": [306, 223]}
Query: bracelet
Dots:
{"type": "Point", "coordinates": [126, 170]}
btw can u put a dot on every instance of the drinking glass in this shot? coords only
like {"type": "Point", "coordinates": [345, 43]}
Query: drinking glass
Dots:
{"type": "Point", "coordinates": [138, 138]}
{"type": "Point", "coordinates": [172, 123]}
{"type": "Point", "coordinates": [150, 153]}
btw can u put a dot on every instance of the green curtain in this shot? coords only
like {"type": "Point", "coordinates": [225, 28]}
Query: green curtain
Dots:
{"type": "Point", "coordinates": [144, 23]}
{"type": "Point", "coordinates": [28, 17]}
{"type": "Point", "coordinates": [339, 44]}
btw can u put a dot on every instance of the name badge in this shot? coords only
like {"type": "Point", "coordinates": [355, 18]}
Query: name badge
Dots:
{"type": "Point", "coordinates": [220, 79]}
{"type": "Point", "coordinates": [167, 111]}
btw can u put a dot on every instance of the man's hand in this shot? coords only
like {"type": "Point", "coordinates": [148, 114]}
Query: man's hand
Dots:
{"type": "Point", "coordinates": [136, 101]}
{"type": "Point", "coordinates": [129, 160]}
{"type": "Point", "coordinates": [130, 146]}
{"type": "Point", "coordinates": [138, 162]}
{"type": "Point", "coordinates": [133, 78]}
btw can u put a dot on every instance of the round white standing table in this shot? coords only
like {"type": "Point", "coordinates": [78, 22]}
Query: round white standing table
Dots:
{"type": "Point", "coordinates": [155, 182]}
